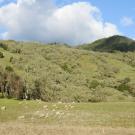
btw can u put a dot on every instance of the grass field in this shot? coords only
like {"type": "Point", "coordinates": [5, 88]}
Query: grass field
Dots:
{"type": "Point", "coordinates": [27, 129]}
{"type": "Point", "coordinates": [36, 117]}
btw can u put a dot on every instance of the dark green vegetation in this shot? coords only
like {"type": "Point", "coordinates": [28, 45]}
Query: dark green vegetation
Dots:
{"type": "Point", "coordinates": [61, 73]}
{"type": "Point", "coordinates": [111, 44]}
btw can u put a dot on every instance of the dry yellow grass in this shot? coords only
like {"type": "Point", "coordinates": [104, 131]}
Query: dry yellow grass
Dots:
{"type": "Point", "coordinates": [32, 129]}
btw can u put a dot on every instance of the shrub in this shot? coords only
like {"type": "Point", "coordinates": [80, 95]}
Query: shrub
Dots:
{"type": "Point", "coordinates": [124, 85]}
{"type": "Point", "coordinates": [66, 67]}
{"type": "Point", "coordinates": [11, 59]}
{"type": "Point", "coordinates": [94, 84]}
{"type": "Point", "coordinates": [4, 46]}
{"type": "Point", "coordinates": [131, 89]}
{"type": "Point", "coordinates": [126, 80]}
{"type": "Point", "coordinates": [36, 93]}
{"type": "Point", "coordinates": [78, 98]}
{"type": "Point", "coordinates": [17, 50]}
{"type": "Point", "coordinates": [9, 69]}
{"type": "Point", "coordinates": [98, 95]}
{"type": "Point", "coordinates": [11, 85]}
{"type": "Point", "coordinates": [1, 55]}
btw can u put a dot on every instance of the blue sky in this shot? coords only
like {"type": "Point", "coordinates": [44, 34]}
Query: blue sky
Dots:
{"type": "Point", "coordinates": [121, 13]}
{"type": "Point", "coordinates": [115, 10]}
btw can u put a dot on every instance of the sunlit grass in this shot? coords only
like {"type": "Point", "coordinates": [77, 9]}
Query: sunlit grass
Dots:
{"type": "Point", "coordinates": [112, 114]}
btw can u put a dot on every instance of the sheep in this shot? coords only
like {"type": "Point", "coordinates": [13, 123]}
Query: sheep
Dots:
{"type": "Point", "coordinates": [3, 108]}
{"type": "Point", "coordinates": [41, 115]}
{"type": "Point", "coordinates": [21, 117]}
{"type": "Point", "coordinates": [45, 106]}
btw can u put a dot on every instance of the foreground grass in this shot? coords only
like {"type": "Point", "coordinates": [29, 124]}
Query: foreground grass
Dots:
{"type": "Point", "coordinates": [112, 114]}
{"type": "Point", "coordinates": [36, 117]}
{"type": "Point", "coordinates": [31, 129]}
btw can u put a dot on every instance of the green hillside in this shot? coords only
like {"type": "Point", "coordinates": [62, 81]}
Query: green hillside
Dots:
{"type": "Point", "coordinates": [111, 44]}
{"type": "Point", "coordinates": [61, 73]}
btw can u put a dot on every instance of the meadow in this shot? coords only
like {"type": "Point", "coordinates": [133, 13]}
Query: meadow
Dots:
{"type": "Point", "coordinates": [37, 117]}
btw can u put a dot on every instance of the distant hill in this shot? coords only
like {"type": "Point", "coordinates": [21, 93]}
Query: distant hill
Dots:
{"type": "Point", "coordinates": [111, 44]}
{"type": "Point", "coordinates": [61, 73]}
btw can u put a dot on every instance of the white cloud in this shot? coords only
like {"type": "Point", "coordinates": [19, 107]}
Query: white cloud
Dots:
{"type": "Point", "coordinates": [127, 21]}
{"type": "Point", "coordinates": [42, 20]}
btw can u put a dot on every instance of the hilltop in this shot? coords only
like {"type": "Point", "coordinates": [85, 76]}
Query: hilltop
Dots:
{"type": "Point", "coordinates": [111, 44]}
{"type": "Point", "coordinates": [61, 73]}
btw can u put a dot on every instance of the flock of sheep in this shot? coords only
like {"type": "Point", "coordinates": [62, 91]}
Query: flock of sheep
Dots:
{"type": "Point", "coordinates": [45, 112]}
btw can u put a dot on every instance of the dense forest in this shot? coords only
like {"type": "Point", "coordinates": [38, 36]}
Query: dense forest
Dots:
{"type": "Point", "coordinates": [58, 72]}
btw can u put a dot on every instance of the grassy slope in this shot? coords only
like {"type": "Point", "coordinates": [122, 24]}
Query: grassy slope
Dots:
{"type": "Point", "coordinates": [74, 69]}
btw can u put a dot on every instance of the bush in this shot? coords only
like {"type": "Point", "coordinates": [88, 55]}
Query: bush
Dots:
{"type": "Point", "coordinates": [4, 46]}
{"type": "Point", "coordinates": [36, 93]}
{"type": "Point", "coordinates": [17, 50]}
{"type": "Point", "coordinates": [78, 98]}
{"type": "Point", "coordinates": [9, 69]}
{"type": "Point", "coordinates": [94, 84]}
{"type": "Point", "coordinates": [1, 55]}
{"type": "Point", "coordinates": [11, 85]}
{"type": "Point", "coordinates": [131, 89]}
{"type": "Point", "coordinates": [124, 85]}
{"type": "Point", "coordinates": [66, 68]}
{"type": "Point", "coordinates": [98, 95]}
{"type": "Point", "coordinates": [11, 59]}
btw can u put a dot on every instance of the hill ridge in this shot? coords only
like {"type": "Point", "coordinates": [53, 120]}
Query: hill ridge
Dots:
{"type": "Point", "coordinates": [111, 44]}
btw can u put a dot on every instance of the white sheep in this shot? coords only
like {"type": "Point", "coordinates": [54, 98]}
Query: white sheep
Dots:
{"type": "Point", "coordinates": [41, 115]}
{"type": "Point", "coordinates": [21, 117]}
{"type": "Point", "coordinates": [45, 106]}
{"type": "Point", "coordinates": [3, 108]}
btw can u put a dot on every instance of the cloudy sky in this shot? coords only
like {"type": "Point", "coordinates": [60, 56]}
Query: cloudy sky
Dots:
{"type": "Point", "coordinates": [69, 21]}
